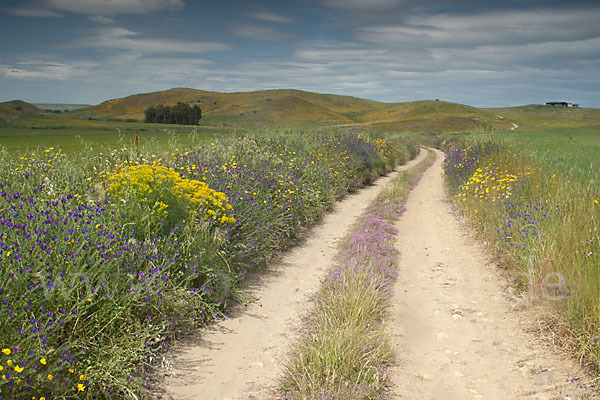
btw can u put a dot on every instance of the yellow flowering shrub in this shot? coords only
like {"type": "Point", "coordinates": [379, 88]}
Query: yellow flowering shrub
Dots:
{"type": "Point", "coordinates": [166, 196]}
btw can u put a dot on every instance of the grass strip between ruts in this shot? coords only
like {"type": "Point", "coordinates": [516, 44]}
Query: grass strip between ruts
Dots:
{"type": "Point", "coordinates": [343, 351]}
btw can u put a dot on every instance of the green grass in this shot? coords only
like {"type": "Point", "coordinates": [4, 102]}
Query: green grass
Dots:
{"type": "Point", "coordinates": [575, 151]}
{"type": "Point", "coordinates": [76, 136]}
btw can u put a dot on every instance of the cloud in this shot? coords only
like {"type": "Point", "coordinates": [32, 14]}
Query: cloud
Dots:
{"type": "Point", "coordinates": [114, 7]}
{"type": "Point", "coordinates": [32, 12]}
{"type": "Point", "coordinates": [262, 33]}
{"type": "Point", "coordinates": [118, 38]}
{"type": "Point", "coordinates": [271, 17]}
{"type": "Point", "coordinates": [102, 20]}
{"type": "Point", "coordinates": [361, 5]}
{"type": "Point", "coordinates": [39, 70]}
{"type": "Point", "coordinates": [492, 28]}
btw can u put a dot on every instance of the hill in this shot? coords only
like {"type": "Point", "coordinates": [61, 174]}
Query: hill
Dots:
{"type": "Point", "coordinates": [59, 108]}
{"type": "Point", "coordinates": [285, 107]}
{"type": "Point", "coordinates": [17, 109]}
{"type": "Point", "coordinates": [539, 116]}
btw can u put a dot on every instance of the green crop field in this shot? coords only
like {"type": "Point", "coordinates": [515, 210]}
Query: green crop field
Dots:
{"type": "Point", "coordinates": [75, 136]}
{"type": "Point", "coordinates": [573, 150]}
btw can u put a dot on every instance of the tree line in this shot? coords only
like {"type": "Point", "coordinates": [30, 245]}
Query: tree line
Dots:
{"type": "Point", "coordinates": [181, 114]}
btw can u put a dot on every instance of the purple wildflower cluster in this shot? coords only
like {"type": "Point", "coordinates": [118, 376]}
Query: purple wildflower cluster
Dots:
{"type": "Point", "coordinates": [63, 265]}
{"type": "Point", "coordinates": [278, 185]}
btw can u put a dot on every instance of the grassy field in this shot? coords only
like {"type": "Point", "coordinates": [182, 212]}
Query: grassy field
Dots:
{"type": "Point", "coordinates": [75, 136]}
{"type": "Point", "coordinates": [574, 151]}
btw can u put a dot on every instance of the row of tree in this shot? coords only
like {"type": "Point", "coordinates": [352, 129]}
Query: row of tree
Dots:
{"type": "Point", "coordinates": [180, 113]}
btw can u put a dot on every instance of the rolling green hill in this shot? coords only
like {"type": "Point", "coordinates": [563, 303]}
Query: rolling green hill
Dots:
{"type": "Point", "coordinates": [17, 109]}
{"type": "Point", "coordinates": [537, 116]}
{"type": "Point", "coordinates": [285, 107]}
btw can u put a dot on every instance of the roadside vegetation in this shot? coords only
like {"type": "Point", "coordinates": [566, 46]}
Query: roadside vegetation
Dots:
{"type": "Point", "coordinates": [105, 256]}
{"type": "Point", "coordinates": [343, 351]}
{"type": "Point", "coordinates": [535, 197]}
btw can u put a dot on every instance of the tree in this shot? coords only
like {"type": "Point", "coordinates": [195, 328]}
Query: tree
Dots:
{"type": "Point", "coordinates": [195, 115]}
{"type": "Point", "coordinates": [181, 114]}
{"type": "Point", "coordinates": [150, 115]}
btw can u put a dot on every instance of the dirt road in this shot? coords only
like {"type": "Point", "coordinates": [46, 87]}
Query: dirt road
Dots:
{"type": "Point", "coordinates": [455, 328]}
{"type": "Point", "coordinates": [240, 358]}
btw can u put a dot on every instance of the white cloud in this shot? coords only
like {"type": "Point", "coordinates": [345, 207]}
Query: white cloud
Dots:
{"type": "Point", "coordinates": [271, 17]}
{"type": "Point", "coordinates": [118, 38]}
{"type": "Point", "coordinates": [102, 20]}
{"type": "Point", "coordinates": [32, 12]}
{"type": "Point", "coordinates": [114, 7]}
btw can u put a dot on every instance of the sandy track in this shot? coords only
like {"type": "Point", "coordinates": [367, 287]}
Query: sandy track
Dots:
{"type": "Point", "coordinates": [455, 328]}
{"type": "Point", "coordinates": [241, 358]}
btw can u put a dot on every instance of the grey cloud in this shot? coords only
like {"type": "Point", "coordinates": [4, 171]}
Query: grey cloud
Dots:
{"type": "Point", "coordinates": [40, 70]}
{"type": "Point", "coordinates": [102, 20]}
{"type": "Point", "coordinates": [114, 7]}
{"type": "Point", "coordinates": [117, 38]}
{"type": "Point", "coordinates": [507, 27]}
{"type": "Point", "coordinates": [262, 33]}
{"type": "Point", "coordinates": [32, 12]}
{"type": "Point", "coordinates": [271, 17]}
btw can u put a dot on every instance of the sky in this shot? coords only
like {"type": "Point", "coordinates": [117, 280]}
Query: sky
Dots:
{"type": "Point", "coordinates": [476, 52]}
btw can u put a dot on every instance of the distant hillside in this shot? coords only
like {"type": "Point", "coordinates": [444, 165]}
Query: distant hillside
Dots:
{"type": "Point", "coordinates": [55, 107]}
{"type": "Point", "coordinates": [286, 107]}
{"type": "Point", "coordinates": [17, 109]}
{"type": "Point", "coordinates": [539, 116]}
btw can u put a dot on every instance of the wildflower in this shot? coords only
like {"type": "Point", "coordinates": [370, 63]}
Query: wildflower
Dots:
{"type": "Point", "coordinates": [71, 370]}
{"type": "Point", "coordinates": [6, 351]}
{"type": "Point", "coordinates": [595, 201]}
{"type": "Point", "coordinates": [43, 361]}
{"type": "Point", "coordinates": [81, 377]}
{"type": "Point", "coordinates": [18, 369]}
{"type": "Point", "coordinates": [80, 387]}
{"type": "Point", "coordinates": [9, 362]}
{"type": "Point", "coordinates": [50, 377]}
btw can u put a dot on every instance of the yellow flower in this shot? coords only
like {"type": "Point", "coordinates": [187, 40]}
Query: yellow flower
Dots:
{"type": "Point", "coordinates": [595, 201]}
{"type": "Point", "coordinates": [18, 368]}
{"type": "Point", "coordinates": [43, 361]}
{"type": "Point", "coordinates": [42, 398]}
{"type": "Point", "coordinates": [80, 387]}
{"type": "Point", "coordinates": [9, 362]}
{"type": "Point", "coordinates": [6, 351]}
{"type": "Point", "coordinates": [50, 377]}
{"type": "Point", "coordinates": [71, 370]}
{"type": "Point", "coordinates": [1, 368]}
{"type": "Point", "coordinates": [81, 377]}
